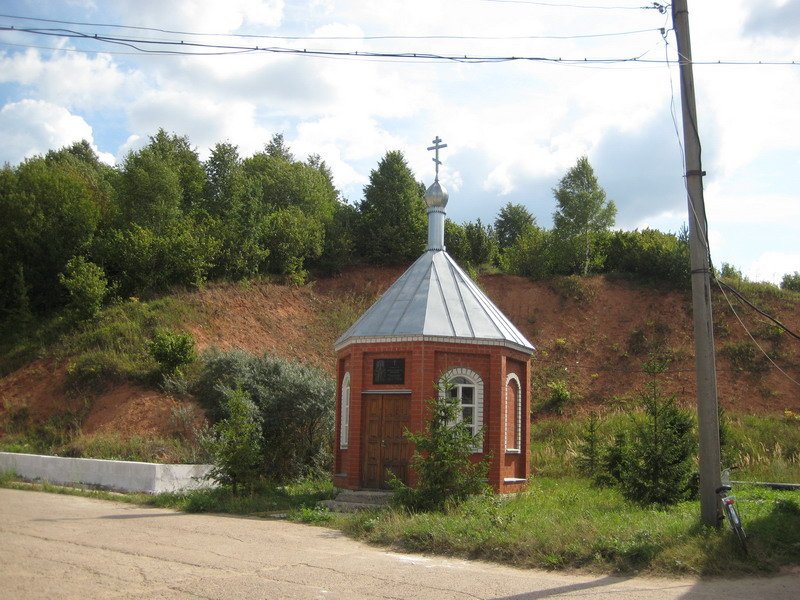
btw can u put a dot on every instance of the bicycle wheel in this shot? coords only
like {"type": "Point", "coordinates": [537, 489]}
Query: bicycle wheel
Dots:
{"type": "Point", "coordinates": [736, 525]}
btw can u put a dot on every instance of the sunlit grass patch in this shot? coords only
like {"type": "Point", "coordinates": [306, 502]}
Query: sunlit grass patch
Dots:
{"type": "Point", "coordinates": [567, 523]}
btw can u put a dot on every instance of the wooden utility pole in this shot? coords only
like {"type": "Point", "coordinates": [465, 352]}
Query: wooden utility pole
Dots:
{"type": "Point", "coordinates": [707, 411]}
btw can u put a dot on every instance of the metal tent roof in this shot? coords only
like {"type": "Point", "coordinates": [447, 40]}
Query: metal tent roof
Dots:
{"type": "Point", "coordinates": [435, 300]}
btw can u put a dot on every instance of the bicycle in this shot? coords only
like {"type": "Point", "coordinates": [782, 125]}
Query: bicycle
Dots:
{"type": "Point", "coordinates": [731, 512]}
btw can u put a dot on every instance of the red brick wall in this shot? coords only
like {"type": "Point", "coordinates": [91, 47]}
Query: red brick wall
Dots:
{"type": "Point", "coordinates": [425, 363]}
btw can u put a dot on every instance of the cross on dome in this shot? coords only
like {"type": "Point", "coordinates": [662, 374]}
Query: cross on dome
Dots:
{"type": "Point", "coordinates": [437, 145]}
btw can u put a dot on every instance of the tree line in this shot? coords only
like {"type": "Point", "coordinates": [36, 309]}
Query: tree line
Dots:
{"type": "Point", "coordinates": [75, 232]}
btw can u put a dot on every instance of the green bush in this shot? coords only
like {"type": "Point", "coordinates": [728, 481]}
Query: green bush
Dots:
{"type": "Point", "coordinates": [172, 350]}
{"type": "Point", "coordinates": [92, 370]}
{"type": "Point", "coordinates": [530, 255]}
{"type": "Point", "coordinates": [572, 287]}
{"type": "Point", "coordinates": [441, 460]}
{"type": "Point", "coordinates": [613, 461]}
{"type": "Point", "coordinates": [87, 287]}
{"type": "Point", "coordinates": [143, 259]}
{"type": "Point", "coordinates": [560, 397]}
{"type": "Point", "coordinates": [292, 237]}
{"type": "Point", "coordinates": [651, 255]}
{"type": "Point", "coordinates": [295, 402]}
{"type": "Point", "coordinates": [234, 443]}
{"type": "Point", "coordinates": [791, 282]}
{"type": "Point", "coordinates": [648, 338]}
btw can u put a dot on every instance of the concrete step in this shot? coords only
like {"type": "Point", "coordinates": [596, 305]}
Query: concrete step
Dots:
{"type": "Point", "coordinates": [357, 500]}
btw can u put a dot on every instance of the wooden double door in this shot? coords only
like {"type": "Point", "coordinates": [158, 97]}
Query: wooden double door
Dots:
{"type": "Point", "coordinates": [386, 449]}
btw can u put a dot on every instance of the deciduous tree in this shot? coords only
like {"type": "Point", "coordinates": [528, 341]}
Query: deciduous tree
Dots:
{"type": "Point", "coordinates": [392, 214]}
{"type": "Point", "coordinates": [482, 243]}
{"type": "Point", "coordinates": [583, 212]}
{"type": "Point", "coordinates": [512, 220]}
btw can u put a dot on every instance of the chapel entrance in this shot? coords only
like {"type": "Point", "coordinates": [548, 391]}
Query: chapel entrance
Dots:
{"type": "Point", "coordinates": [386, 416]}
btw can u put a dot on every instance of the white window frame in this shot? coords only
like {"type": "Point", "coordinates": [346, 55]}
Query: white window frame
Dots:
{"type": "Point", "coordinates": [518, 407]}
{"type": "Point", "coordinates": [344, 422]}
{"type": "Point", "coordinates": [477, 383]}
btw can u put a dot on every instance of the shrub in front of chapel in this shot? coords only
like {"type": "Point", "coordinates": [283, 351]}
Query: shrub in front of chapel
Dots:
{"type": "Point", "coordinates": [294, 400]}
{"type": "Point", "coordinates": [441, 460]}
{"type": "Point", "coordinates": [234, 443]}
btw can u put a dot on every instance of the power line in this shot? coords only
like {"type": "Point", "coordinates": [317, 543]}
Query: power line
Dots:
{"type": "Point", "coordinates": [760, 311]}
{"type": "Point", "coordinates": [333, 37]}
{"type": "Point", "coordinates": [752, 338]}
{"type": "Point", "coordinates": [653, 6]}
{"type": "Point", "coordinates": [168, 47]}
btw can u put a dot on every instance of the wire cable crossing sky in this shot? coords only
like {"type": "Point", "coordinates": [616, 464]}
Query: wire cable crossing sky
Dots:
{"type": "Point", "coordinates": [520, 89]}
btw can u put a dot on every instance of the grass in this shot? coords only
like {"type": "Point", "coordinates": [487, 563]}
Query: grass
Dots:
{"type": "Point", "coordinates": [61, 435]}
{"type": "Point", "coordinates": [114, 346]}
{"type": "Point", "coordinates": [565, 523]}
{"type": "Point", "coordinates": [8, 479]}
{"type": "Point", "coordinates": [112, 446]}
{"type": "Point", "coordinates": [764, 448]}
{"type": "Point", "coordinates": [335, 314]}
{"type": "Point", "coordinates": [764, 291]}
{"type": "Point", "coordinates": [22, 341]}
{"type": "Point", "coordinates": [263, 502]}
{"type": "Point", "coordinates": [758, 448]}
{"type": "Point", "coordinates": [298, 499]}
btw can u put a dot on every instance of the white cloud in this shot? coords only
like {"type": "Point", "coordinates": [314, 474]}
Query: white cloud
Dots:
{"type": "Point", "coordinates": [202, 16]}
{"type": "Point", "coordinates": [132, 144]}
{"type": "Point", "coordinates": [781, 19]}
{"type": "Point", "coordinates": [346, 141]}
{"type": "Point", "coordinates": [33, 127]}
{"type": "Point", "coordinates": [70, 79]}
{"type": "Point", "coordinates": [725, 206]}
{"type": "Point", "coordinates": [499, 181]}
{"type": "Point", "coordinates": [203, 120]}
{"type": "Point", "coordinates": [772, 266]}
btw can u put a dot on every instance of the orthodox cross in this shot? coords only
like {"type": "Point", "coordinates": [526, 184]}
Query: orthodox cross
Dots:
{"type": "Point", "coordinates": [437, 145]}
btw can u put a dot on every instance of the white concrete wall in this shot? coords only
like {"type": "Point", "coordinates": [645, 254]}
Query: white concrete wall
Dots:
{"type": "Point", "coordinates": [118, 475]}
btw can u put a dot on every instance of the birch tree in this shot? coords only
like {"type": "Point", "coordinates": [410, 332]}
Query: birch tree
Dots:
{"type": "Point", "coordinates": [583, 213]}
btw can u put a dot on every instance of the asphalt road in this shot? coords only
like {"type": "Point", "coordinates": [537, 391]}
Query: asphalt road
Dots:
{"type": "Point", "coordinates": [55, 546]}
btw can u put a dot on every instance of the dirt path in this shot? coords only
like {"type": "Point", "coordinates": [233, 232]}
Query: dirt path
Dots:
{"type": "Point", "coordinates": [69, 547]}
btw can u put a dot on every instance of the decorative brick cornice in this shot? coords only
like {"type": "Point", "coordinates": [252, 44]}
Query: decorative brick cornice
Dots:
{"type": "Point", "coordinates": [432, 338]}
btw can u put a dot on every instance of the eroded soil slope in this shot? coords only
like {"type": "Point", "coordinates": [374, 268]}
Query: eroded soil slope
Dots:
{"type": "Point", "coordinates": [592, 334]}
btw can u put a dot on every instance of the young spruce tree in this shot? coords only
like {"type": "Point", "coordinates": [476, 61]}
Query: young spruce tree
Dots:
{"type": "Point", "coordinates": [658, 460]}
{"type": "Point", "coordinates": [445, 473]}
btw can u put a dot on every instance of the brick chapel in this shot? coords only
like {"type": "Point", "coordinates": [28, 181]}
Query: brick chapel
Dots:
{"type": "Point", "coordinates": [433, 324]}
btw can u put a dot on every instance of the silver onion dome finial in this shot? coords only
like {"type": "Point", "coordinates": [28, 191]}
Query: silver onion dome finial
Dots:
{"type": "Point", "coordinates": [436, 196]}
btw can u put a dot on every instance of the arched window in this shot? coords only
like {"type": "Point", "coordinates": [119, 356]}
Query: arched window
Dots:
{"type": "Point", "coordinates": [513, 414]}
{"type": "Point", "coordinates": [344, 429]}
{"type": "Point", "coordinates": [467, 386]}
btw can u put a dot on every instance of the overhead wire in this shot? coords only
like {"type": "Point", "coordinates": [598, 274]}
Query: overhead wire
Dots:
{"type": "Point", "coordinates": [652, 6]}
{"type": "Point", "coordinates": [334, 37]}
{"type": "Point", "coordinates": [168, 47]}
{"type": "Point", "coordinates": [703, 232]}
{"type": "Point", "coordinates": [752, 337]}
{"type": "Point", "coordinates": [199, 48]}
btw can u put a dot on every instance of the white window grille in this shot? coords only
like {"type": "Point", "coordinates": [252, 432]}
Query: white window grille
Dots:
{"type": "Point", "coordinates": [467, 386]}
{"type": "Point", "coordinates": [344, 428]}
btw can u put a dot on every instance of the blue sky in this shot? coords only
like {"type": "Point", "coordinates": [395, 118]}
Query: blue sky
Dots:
{"type": "Point", "coordinates": [512, 129]}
